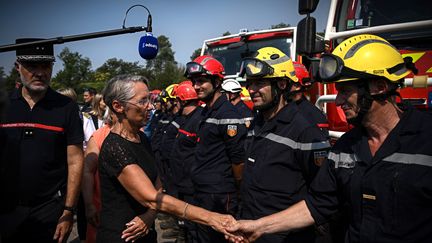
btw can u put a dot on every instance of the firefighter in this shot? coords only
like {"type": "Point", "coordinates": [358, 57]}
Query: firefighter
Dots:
{"type": "Point", "coordinates": [233, 89]}
{"type": "Point", "coordinates": [219, 155]}
{"type": "Point", "coordinates": [286, 149]}
{"type": "Point", "coordinates": [308, 110]}
{"type": "Point", "coordinates": [183, 152]}
{"type": "Point", "coordinates": [382, 168]}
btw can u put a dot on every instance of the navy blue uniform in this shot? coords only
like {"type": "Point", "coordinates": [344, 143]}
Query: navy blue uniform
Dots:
{"type": "Point", "coordinates": [283, 158]}
{"type": "Point", "coordinates": [169, 133]}
{"type": "Point", "coordinates": [221, 136]}
{"type": "Point", "coordinates": [389, 194]}
{"type": "Point", "coordinates": [245, 113]}
{"type": "Point", "coordinates": [181, 161]}
{"type": "Point", "coordinates": [312, 113]}
{"type": "Point", "coordinates": [164, 120]}
{"type": "Point", "coordinates": [33, 164]}
{"type": "Point", "coordinates": [183, 153]}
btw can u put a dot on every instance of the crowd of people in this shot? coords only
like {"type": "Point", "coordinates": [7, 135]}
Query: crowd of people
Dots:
{"type": "Point", "coordinates": [219, 170]}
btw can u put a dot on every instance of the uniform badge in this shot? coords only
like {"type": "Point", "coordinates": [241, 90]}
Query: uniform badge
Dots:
{"type": "Point", "coordinates": [319, 157]}
{"type": "Point", "coordinates": [232, 130]}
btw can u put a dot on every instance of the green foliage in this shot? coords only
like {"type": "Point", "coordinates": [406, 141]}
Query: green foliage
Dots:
{"type": "Point", "coordinates": [196, 54]}
{"type": "Point", "coordinates": [163, 70]}
{"type": "Point", "coordinates": [113, 67]}
{"type": "Point", "coordinates": [11, 79]}
{"type": "Point", "coordinates": [76, 71]}
{"type": "Point", "coordinates": [280, 25]}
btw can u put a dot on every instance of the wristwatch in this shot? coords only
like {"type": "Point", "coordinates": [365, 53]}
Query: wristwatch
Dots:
{"type": "Point", "coordinates": [71, 209]}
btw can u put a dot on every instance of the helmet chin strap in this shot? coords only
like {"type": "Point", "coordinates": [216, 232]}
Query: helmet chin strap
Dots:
{"type": "Point", "coordinates": [275, 92]}
{"type": "Point", "coordinates": [365, 99]}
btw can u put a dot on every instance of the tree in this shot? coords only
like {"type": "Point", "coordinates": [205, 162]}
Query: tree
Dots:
{"type": "Point", "coordinates": [196, 54]}
{"type": "Point", "coordinates": [111, 68]}
{"type": "Point", "coordinates": [163, 70]}
{"type": "Point", "coordinates": [11, 79]}
{"type": "Point", "coordinates": [76, 71]}
{"type": "Point", "coordinates": [2, 74]}
{"type": "Point", "coordinates": [280, 25]}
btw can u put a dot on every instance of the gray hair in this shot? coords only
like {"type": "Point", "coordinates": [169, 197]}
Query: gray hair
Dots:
{"type": "Point", "coordinates": [121, 88]}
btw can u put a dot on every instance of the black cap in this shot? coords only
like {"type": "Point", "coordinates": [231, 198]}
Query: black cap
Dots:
{"type": "Point", "coordinates": [35, 53]}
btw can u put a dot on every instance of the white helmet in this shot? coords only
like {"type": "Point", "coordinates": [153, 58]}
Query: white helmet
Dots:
{"type": "Point", "coordinates": [231, 85]}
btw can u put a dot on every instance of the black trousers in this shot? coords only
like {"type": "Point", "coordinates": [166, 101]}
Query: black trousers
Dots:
{"type": "Point", "coordinates": [31, 224]}
{"type": "Point", "coordinates": [225, 203]}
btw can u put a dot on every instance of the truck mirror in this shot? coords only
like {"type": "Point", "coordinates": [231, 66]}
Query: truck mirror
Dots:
{"type": "Point", "coordinates": [307, 6]}
{"type": "Point", "coordinates": [319, 46]}
{"type": "Point", "coordinates": [306, 34]}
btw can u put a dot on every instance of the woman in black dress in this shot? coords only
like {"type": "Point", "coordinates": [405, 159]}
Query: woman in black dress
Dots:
{"type": "Point", "coordinates": [130, 188]}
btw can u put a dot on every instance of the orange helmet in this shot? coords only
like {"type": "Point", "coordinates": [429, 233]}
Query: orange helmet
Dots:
{"type": "Point", "coordinates": [185, 91]}
{"type": "Point", "coordinates": [203, 66]}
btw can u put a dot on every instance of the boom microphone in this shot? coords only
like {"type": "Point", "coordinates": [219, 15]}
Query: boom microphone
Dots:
{"type": "Point", "coordinates": [148, 46]}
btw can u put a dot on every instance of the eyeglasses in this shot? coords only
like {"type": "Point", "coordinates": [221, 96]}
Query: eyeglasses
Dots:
{"type": "Point", "coordinates": [143, 102]}
{"type": "Point", "coordinates": [253, 67]}
{"type": "Point", "coordinates": [332, 68]}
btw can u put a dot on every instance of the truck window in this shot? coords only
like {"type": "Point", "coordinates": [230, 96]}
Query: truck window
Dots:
{"type": "Point", "coordinates": [368, 13]}
{"type": "Point", "coordinates": [231, 55]}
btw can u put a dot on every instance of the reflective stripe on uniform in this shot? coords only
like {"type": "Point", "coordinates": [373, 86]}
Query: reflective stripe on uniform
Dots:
{"type": "Point", "coordinates": [224, 121]}
{"type": "Point", "coordinates": [175, 124]}
{"type": "Point", "coordinates": [418, 159]}
{"type": "Point", "coordinates": [251, 133]}
{"type": "Point", "coordinates": [296, 145]}
{"type": "Point", "coordinates": [164, 121]}
{"type": "Point", "coordinates": [343, 160]}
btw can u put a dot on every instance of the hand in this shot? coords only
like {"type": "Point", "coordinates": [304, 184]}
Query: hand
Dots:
{"type": "Point", "coordinates": [244, 231]}
{"type": "Point", "coordinates": [64, 227]}
{"type": "Point", "coordinates": [139, 226]}
{"type": "Point", "coordinates": [92, 215]}
{"type": "Point", "coordinates": [220, 222]}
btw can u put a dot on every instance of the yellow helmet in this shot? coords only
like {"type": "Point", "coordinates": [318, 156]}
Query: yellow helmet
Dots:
{"type": "Point", "coordinates": [269, 62]}
{"type": "Point", "coordinates": [363, 56]}
{"type": "Point", "coordinates": [167, 93]}
{"type": "Point", "coordinates": [170, 90]}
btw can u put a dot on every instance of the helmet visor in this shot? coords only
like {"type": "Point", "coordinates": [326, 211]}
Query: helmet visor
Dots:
{"type": "Point", "coordinates": [253, 67]}
{"type": "Point", "coordinates": [194, 69]}
{"type": "Point", "coordinates": [332, 68]}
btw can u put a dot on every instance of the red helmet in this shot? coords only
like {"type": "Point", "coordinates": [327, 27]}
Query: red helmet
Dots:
{"type": "Point", "coordinates": [185, 91]}
{"type": "Point", "coordinates": [301, 73]}
{"type": "Point", "coordinates": [205, 65]}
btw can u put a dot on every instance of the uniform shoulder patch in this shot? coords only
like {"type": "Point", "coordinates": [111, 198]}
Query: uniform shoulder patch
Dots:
{"type": "Point", "coordinates": [232, 130]}
{"type": "Point", "coordinates": [319, 157]}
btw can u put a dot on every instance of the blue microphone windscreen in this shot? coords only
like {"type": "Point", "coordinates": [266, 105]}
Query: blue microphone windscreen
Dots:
{"type": "Point", "coordinates": [148, 46]}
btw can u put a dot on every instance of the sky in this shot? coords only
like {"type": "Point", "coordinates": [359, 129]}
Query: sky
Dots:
{"type": "Point", "coordinates": [187, 23]}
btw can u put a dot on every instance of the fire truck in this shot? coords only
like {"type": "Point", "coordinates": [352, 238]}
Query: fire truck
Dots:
{"type": "Point", "coordinates": [407, 25]}
{"type": "Point", "coordinates": [231, 49]}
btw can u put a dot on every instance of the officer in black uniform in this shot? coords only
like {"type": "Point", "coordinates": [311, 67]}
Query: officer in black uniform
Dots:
{"type": "Point", "coordinates": [183, 153]}
{"type": "Point", "coordinates": [382, 168]}
{"type": "Point", "coordinates": [286, 148]}
{"type": "Point", "coordinates": [218, 164]}
{"type": "Point", "coordinates": [41, 158]}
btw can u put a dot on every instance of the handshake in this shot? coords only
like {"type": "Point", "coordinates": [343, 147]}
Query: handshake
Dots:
{"type": "Point", "coordinates": [236, 231]}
